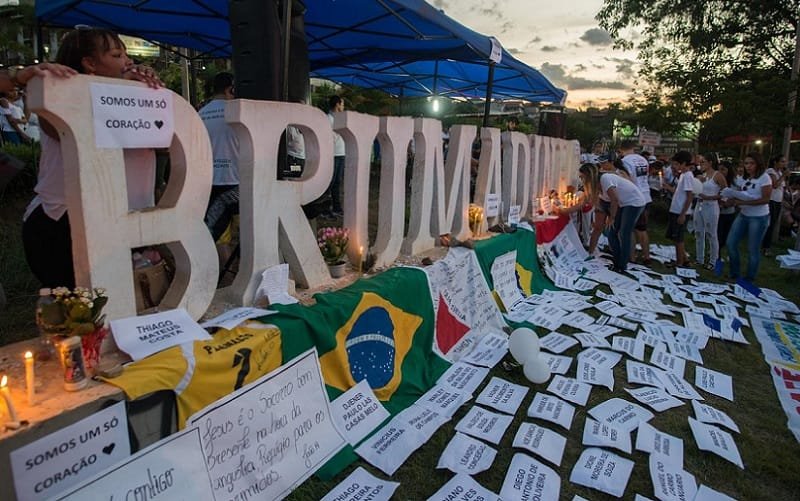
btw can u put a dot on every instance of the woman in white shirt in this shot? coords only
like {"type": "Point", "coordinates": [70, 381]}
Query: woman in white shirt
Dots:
{"type": "Point", "coordinates": [753, 218]}
{"type": "Point", "coordinates": [706, 212]}
{"type": "Point", "coordinates": [626, 204]}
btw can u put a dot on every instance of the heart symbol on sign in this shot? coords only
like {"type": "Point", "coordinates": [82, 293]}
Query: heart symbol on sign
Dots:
{"type": "Point", "coordinates": [159, 123]}
{"type": "Point", "coordinates": [109, 448]}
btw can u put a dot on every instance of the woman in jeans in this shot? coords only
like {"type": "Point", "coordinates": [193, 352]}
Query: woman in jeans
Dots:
{"type": "Point", "coordinates": [753, 218]}
{"type": "Point", "coordinates": [626, 204]}
{"type": "Point", "coordinates": [706, 212]}
{"type": "Point", "coordinates": [727, 212]}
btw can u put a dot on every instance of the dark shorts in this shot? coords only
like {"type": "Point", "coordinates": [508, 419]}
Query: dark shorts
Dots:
{"type": "Point", "coordinates": [641, 223]}
{"type": "Point", "coordinates": [675, 231]}
{"type": "Point", "coordinates": [604, 206]}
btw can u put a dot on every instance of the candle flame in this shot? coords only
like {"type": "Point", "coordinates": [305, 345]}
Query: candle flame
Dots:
{"type": "Point", "coordinates": [28, 355]}
{"type": "Point", "coordinates": [4, 381]}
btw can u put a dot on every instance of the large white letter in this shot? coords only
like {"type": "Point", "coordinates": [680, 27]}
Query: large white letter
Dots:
{"type": "Point", "coordinates": [516, 171]}
{"type": "Point", "coordinates": [489, 170]}
{"type": "Point", "coordinates": [103, 229]}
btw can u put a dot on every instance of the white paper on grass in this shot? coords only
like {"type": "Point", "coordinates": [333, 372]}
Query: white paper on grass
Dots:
{"type": "Point", "coordinates": [553, 409]}
{"type": "Point", "coordinates": [664, 445]}
{"type": "Point", "coordinates": [600, 358]}
{"type": "Point", "coordinates": [556, 342]}
{"type": "Point", "coordinates": [578, 319]}
{"type": "Point", "coordinates": [361, 484]}
{"type": "Point", "coordinates": [591, 341]}
{"type": "Point", "coordinates": [639, 497]}
{"type": "Point", "coordinates": [547, 316]}
{"type": "Point", "coordinates": [528, 478]}
{"type": "Point", "coordinates": [357, 412]}
{"type": "Point", "coordinates": [557, 363]}
{"type": "Point", "coordinates": [144, 335]}
{"type": "Point", "coordinates": [713, 439]}
{"type": "Point", "coordinates": [236, 316]}
{"type": "Point", "coordinates": [172, 468]}
{"type": "Point", "coordinates": [649, 339]}
{"type": "Point", "coordinates": [541, 441]}
{"type": "Point", "coordinates": [705, 493]}
{"type": "Point", "coordinates": [570, 389]}
{"type": "Point", "coordinates": [590, 373]}
{"type": "Point", "coordinates": [632, 346]}
{"type": "Point", "coordinates": [388, 448]}
{"type": "Point", "coordinates": [463, 377]}
{"type": "Point", "coordinates": [693, 338]}
{"type": "Point", "coordinates": [671, 482]}
{"type": "Point", "coordinates": [621, 414]}
{"type": "Point", "coordinates": [484, 424]}
{"type": "Point", "coordinates": [686, 272]}
{"type": "Point", "coordinates": [686, 351]}
{"type": "Point", "coordinates": [603, 435]}
{"type": "Point", "coordinates": [489, 350]}
{"type": "Point", "coordinates": [443, 399]}
{"type": "Point", "coordinates": [101, 437]}
{"type": "Point", "coordinates": [463, 487]}
{"type": "Point", "coordinates": [707, 414]}
{"type": "Point", "coordinates": [639, 373]}
{"type": "Point", "coordinates": [679, 387]}
{"type": "Point", "coordinates": [616, 322]}
{"type": "Point", "coordinates": [655, 398]}
{"type": "Point", "coordinates": [670, 363]}
{"type": "Point", "coordinates": [602, 470]}
{"type": "Point", "coordinates": [502, 395]}
{"type": "Point", "coordinates": [604, 330]}
{"type": "Point", "coordinates": [714, 382]}
{"type": "Point", "coordinates": [467, 455]}
{"type": "Point", "coordinates": [287, 408]}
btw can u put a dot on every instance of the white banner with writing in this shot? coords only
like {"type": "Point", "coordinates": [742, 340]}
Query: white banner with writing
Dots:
{"type": "Point", "coordinates": [132, 117]}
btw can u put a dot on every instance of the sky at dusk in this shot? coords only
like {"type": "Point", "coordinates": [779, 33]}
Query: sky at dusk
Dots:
{"type": "Point", "coordinates": [561, 39]}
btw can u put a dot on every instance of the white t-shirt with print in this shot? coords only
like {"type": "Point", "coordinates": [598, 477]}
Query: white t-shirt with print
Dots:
{"type": "Point", "coordinates": [12, 111]}
{"type": "Point", "coordinates": [627, 192]}
{"type": "Point", "coordinates": [638, 168]}
{"type": "Point", "coordinates": [753, 188]}
{"type": "Point", "coordinates": [682, 190]}
{"type": "Point", "coordinates": [224, 143]}
{"type": "Point", "coordinates": [777, 193]}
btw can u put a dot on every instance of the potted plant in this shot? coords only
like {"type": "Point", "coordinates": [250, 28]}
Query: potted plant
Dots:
{"type": "Point", "coordinates": [333, 245]}
{"type": "Point", "coordinates": [78, 312]}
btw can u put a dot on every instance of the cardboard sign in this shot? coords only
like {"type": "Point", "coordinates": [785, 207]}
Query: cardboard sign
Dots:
{"type": "Point", "coordinates": [131, 117]}
{"type": "Point", "coordinates": [466, 455]}
{"type": "Point", "coordinates": [621, 414]}
{"type": "Point", "coordinates": [602, 470]}
{"type": "Point", "coordinates": [541, 441]}
{"type": "Point", "coordinates": [357, 412]}
{"type": "Point", "coordinates": [492, 205]}
{"type": "Point", "coordinates": [463, 487]}
{"type": "Point", "coordinates": [60, 460]}
{"type": "Point", "coordinates": [236, 316]}
{"type": "Point", "coordinates": [502, 395]}
{"type": "Point", "coordinates": [266, 438]}
{"type": "Point", "coordinates": [551, 409]}
{"type": "Point", "coordinates": [527, 478]}
{"type": "Point", "coordinates": [142, 336]}
{"type": "Point", "coordinates": [483, 424]}
{"type": "Point", "coordinates": [664, 445]}
{"type": "Point", "coordinates": [172, 468]}
{"type": "Point", "coordinates": [362, 485]}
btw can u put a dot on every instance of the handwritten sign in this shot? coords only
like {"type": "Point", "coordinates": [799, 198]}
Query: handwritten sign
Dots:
{"type": "Point", "coordinates": [492, 205]}
{"type": "Point", "coordinates": [172, 468]}
{"type": "Point", "coordinates": [464, 454]}
{"type": "Point", "coordinates": [504, 277]}
{"type": "Point", "coordinates": [513, 214]}
{"type": "Point", "coordinates": [131, 117]}
{"type": "Point", "coordinates": [58, 461]}
{"type": "Point", "coordinates": [142, 336]}
{"type": "Point", "coordinates": [357, 412]}
{"type": "Point", "coordinates": [269, 436]}
{"type": "Point", "coordinates": [527, 478]}
{"type": "Point", "coordinates": [236, 316]}
{"type": "Point", "coordinates": [362, 485]}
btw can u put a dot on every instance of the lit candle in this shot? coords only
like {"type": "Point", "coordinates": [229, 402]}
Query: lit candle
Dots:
{"type": "Point", "coordinates": [12, 413]}
{"type": "Point", "coordinates": [360, 257]}
{"type": "Point", "coordinates": [30, 378]}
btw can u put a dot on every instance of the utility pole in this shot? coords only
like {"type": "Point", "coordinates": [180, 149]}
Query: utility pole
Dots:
{"type": "Point", "coordinates": [787, 132]}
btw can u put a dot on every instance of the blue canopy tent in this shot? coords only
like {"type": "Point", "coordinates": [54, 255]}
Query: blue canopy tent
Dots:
{"type": "Point", "coordinates": [405, 45]}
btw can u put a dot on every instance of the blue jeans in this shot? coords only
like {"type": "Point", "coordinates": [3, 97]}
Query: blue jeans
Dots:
{"type": "Point", "coordinates": [753, 228]}
{"type": "Point", "coordinates": [620, 237]}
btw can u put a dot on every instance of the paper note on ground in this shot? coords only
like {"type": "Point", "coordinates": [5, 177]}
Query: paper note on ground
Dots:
{"type": "Point", "coordinates": [570, 389]}
{"type": "Point", "coordinates": [714, 382]}
{"type": "Point", "coordinates": [489, 351]}
{"type": "Point", "coordinates": [357, 412]}
{"type": "Point", "coordinates": [621, 413]}
{"type": "Point", "coordinates": [443, 399]}
{"type": "Point", "coordinates": [502, 395]}
{"type": "Point", "coordinates": [590, 373]}
{"type": "Point", "coordinates": [463, 377]}
{"type": "Point", "coordinates": [144, 335]}
{"type": "Point", "coordinates": [484, 424]}
{"type": "Point", "coordinates": [555, 342]}
{"type": "Point", "coordinates": [541, 441]}
{"type": "Point", "coordinates": [558, 364]}
{"type": "Point", "coordinates": [551, 409]}
{"type": "Point", "coordinates": [713, 439]}
{"type": "Point", "coordinates": [274, 286]}
{"type": "Point", "coordinates": [603, 435]}
{"type": "Point", "coordinates": [671, 482]}
{"type": "Point", "coordinates": [236, 316]}
{"type": "Point", "coordinates": [467, 455]}
{"type": "Point", "coordinates": [528, 478]}
{"type": "Point", "coordinates": [361, 484]}
{"type": "Point", "coordinates": [707, 414]}
{"type": "Point", "coordinates": [653, 441]}
{"type": "Point", "coordinates": [655, 398]}
{"type": "Point", "coordinates": [465, 487]}
{"type": "Point", "coordinates": [602, 470]}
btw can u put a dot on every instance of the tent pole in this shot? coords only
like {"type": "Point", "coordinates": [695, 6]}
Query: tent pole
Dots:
{"type": "Point", "coordinates": [287, 20]}
{"type": "Point", "coordinates": [400, 102]}
{"type": "Point", "coordinates": [488, 104]}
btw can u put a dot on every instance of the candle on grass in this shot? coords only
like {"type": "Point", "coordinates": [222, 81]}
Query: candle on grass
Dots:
{"type": "Point", "coordinates": [12, 413]}
{"type": "Point", "coordinates": [30, 378]}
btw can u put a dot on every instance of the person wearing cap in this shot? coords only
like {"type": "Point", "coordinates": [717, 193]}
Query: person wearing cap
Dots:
{"type": "Point", "coordinates": [682, 196]}
{"type": "Point", "coordinates": [638, 169]}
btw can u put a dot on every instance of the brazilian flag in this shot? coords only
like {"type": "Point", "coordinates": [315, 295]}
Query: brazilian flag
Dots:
{"type": "Point", "coordinates": [380, 329]}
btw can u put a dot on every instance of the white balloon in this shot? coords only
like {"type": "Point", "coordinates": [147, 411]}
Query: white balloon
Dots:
{"type": "Point", "coordinates": [523, 345]}
{"type": "Point", "coordinates": [536, 370]}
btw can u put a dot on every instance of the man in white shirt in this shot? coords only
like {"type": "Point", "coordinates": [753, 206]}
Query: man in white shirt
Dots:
{"type": "Point", "coordinates": [683, 194]}
{"type": "Point", "coordinates": [224, 201]}
{"type": "Point", "coordinates": [638, 168]}
{"type": "Point", "coordinates": [12, 119]}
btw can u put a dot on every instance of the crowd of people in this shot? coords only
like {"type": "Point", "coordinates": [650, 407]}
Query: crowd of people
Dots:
{"type": "Point", "coordinates": [719, 203]}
